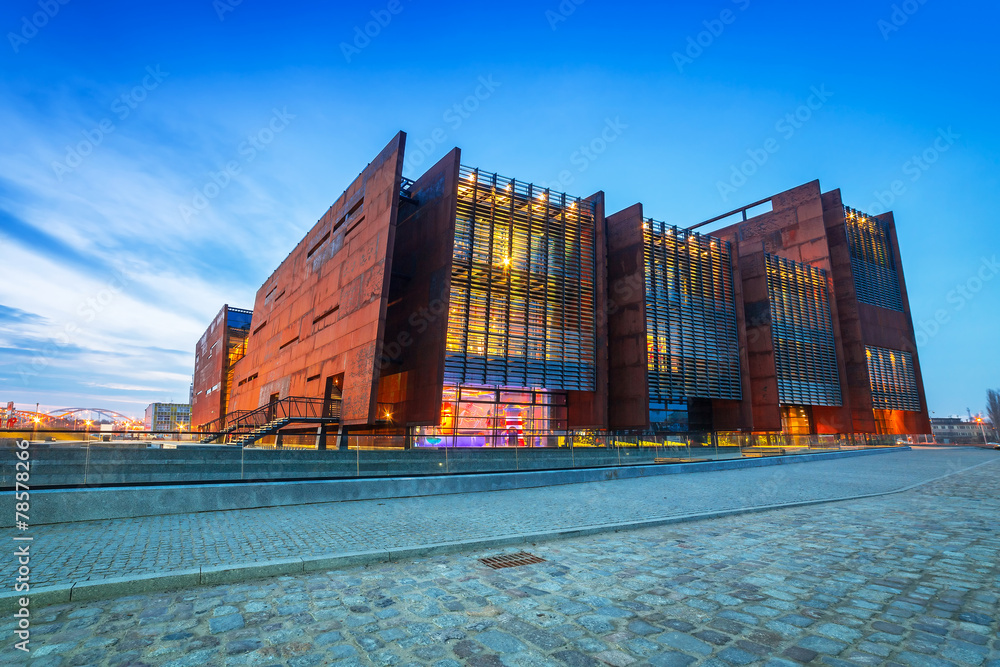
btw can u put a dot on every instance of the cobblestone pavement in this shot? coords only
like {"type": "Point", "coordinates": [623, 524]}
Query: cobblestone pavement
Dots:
{"type": "Point", "coordinates": [907, 579]}
{"type": "Point", "coordinates": [120, 547]}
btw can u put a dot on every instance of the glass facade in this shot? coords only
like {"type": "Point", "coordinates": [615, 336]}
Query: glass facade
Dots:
{"type": "Point", "coordinates": [894, 384]}
{"type": "Point", "coordinates": [498, 417]}
{"type": "Point", "coordinates": [872, 263]}
{"type": "Point", "coordinates": [523, 287]}
{"type": "Point", "coordinates": [691, 336]}
{"type": "Point", "coordinates": [805, 355]}
{"type": "Point", "coordinates": [796, 420]}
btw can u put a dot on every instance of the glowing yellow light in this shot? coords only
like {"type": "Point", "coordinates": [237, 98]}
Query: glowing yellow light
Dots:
{"type": "Point", "coordinates": [472, 176]}
{"type": "Point", "coordinates": [506, 261]}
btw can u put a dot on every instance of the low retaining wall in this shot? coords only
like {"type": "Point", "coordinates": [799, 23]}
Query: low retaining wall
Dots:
{"type": "Point", "coordinates": [105, 465]}
{"type": "Point", "coordinates": [64, 506]}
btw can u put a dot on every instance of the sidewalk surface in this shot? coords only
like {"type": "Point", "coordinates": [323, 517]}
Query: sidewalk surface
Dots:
{"type": "Point", "coordinates": [908, 579]}
{"type": "Point", "coordinates": [77, 552]}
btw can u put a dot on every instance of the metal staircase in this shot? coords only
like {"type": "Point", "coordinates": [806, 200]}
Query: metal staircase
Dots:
{"type": "Point", "coordinates": [219, 434]}
{"type": "Point", "coordinates": [246, 427]}
{"type": "Point", "coordinates": [270, 428]}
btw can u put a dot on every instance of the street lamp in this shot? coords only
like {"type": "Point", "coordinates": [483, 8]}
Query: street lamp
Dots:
{"type": "Point", "coordinates": [982, 428]}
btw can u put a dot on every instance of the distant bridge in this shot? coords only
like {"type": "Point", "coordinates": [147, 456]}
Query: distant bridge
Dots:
{"type": "Point", "coordinates": [82, 418]}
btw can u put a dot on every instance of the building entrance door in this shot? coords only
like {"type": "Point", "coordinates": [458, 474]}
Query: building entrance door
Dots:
{"type": "Point", "coordinates": [332, 395]}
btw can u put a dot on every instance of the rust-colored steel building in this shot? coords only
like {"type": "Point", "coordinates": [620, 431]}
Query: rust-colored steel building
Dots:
{"type": "Point", "coordinates": [220, 347]}
{"type": "Point", "coordinates": [471, 309]}
{"type": "Point", "coordinates": [794, 320]}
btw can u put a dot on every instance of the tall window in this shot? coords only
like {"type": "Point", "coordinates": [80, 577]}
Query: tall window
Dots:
{"type": "Point", "coordinates": [691, 336]}
{"type": "Point", "coordinates": [872, 263]}
{"type": "Point", "coordinates": [805, 355]}
{"type": "Point", "coordinates": [894, 383]}
{"type": "Point", "coordinates": [522, 286]}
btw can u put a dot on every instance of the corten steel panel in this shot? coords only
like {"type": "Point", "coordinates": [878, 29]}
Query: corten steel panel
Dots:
{"type": "Point", "coordinates": [322, 312]}
{"type": "Point", "coordinates": [737, 415]}
{"type": "Point", "coordinates": [766, 413]}
{"type": "Point", "coordinates": [628, 384]}
{"type": "Point", "coordinates": [796, 229]}
{"type": "Point", "coordinates": [413, 351]}
{"type": "Point", "coordinates": [893, 330]}
{"type": "Point", "coordinates": [209, 363]}
{"type": "Point", "coordinates": [914, 423]}
{"type": "Point", "coordinates": [852, 341]}
{"type": "Point", "coordinates": [589, 409]}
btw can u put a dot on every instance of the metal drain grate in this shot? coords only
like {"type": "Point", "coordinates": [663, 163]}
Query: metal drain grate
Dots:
{"type": "Point", "coordinates": [511, 560]}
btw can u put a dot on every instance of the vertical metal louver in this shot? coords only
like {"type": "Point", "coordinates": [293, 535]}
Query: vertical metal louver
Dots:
{"type": "Point", "coordinates": [523, 286]}
{"type": "Point", "coordinates": [805, 354]}
{"type": "Point", "coordinates": [691, 333]}
{"type": "Point", "coordinates": [894, 383]}
{"type": "Point", "coordinates": [875, 277]}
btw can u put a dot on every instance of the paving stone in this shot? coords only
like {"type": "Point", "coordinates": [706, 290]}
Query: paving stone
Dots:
{"type": "Point", "coordinates": [822, 644]}
{"type": "Point", "coordinates": [736, 656]}
{"type": "Point", "coordinates": [838, 632]}
{"type": "Point", "coordinates": [642, 628]}
{"type": "Point", "coordinates": [686, 643]}
{"type": "Point", "coordinates": [671, 659]}
{"type": "Point", "coordinates": [500, 642]}
{"type": "Point", "coordinates": [890, 628]}
{"type": "Point", "coordinates": [225, 623]}
{"type": "Point", "coordinates": [713, 637]}
{"type": "Point", "coordinates": [800, 653]}
{"type": "Point", "coordinates": [575, 659]}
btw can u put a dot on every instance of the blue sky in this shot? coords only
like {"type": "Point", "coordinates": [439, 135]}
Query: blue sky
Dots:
{"type": "Point", "coordinates": [116, 114]}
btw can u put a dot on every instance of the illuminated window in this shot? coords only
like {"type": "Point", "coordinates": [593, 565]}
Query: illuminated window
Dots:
{"type": "Point", "coordinates": [872, 264]}
{"type": "Point", "coordinates": [522, 287]}
{"type": "Point", "coordinates": [691, 334]}
{"type": "Point", "coordinates": [894, 383]}
{"type": "Point", "coordinates": [498, 417]}
{"type": "Point", "coordinates": [805, 356]}
{"type": "Point", "coordinates": [237, 334]}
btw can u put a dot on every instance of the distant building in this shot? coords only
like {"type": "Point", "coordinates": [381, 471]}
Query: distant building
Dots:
{"type": "Point", "coordinates": [221, 346]}
{"type": "Point", "coordinates": [168, 417]}
{"type": "Point", "coordinates": [953, 430]}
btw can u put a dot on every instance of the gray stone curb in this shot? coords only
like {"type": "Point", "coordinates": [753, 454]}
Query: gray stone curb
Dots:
{"type": "Point", "coordinates": [101, 589]}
